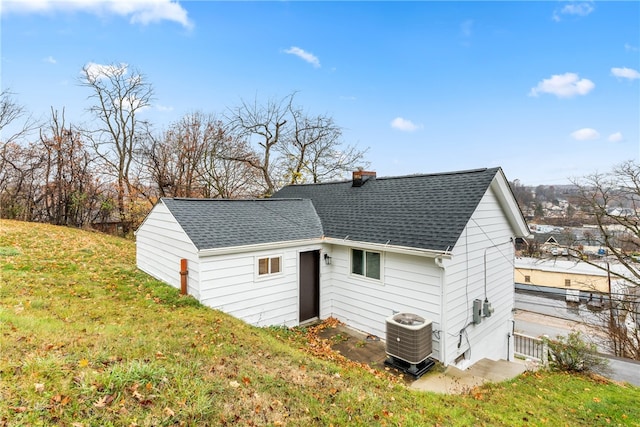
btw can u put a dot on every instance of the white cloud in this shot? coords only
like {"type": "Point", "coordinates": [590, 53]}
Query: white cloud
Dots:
{"type": "Point", "coordinates": [163, 108]}
{"type": "Point", "coordinates": [404, 125]}
{"type": "Point", "coordinates": [585, 134]}
{"type": "Point", "coordinates": [564, 85]}
{"type": "Point", "coordinates": [139, 11]}
{"type": "Point", "coordinates": [306, 56]}
{"type": "Point", "coordinates": [625, 73]}
{"type": "Point", "coordinates": [50, 59]}
{"type": "Point", "coordinates": [615, 137]}
{"type": "Point", "coordinates": [575, 9]}
{"type": "Point", "coordinates": [99, 71]}
{"type": "Point", "coordinates": [630, 48]}
{"type": "Point", "coordinates": [580, 9]}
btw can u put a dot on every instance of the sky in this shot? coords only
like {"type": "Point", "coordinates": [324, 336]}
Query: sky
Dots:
{"type": "Point", "coordinates": [548, 90]}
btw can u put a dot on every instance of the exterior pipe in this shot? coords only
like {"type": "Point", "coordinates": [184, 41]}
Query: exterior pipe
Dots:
{"type": "Point", "coordinates": [183, 276]}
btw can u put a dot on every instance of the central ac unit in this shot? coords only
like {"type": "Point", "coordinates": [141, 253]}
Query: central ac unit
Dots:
{"type": "Point", "coordinates": [409, 338]}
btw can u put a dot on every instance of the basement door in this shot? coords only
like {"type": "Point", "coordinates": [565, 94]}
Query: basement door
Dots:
{"type": "Point", "coordinates": [309, 285]}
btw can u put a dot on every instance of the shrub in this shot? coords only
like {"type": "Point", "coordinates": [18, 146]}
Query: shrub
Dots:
{"type": "Point", "coordinates": [573, 354]}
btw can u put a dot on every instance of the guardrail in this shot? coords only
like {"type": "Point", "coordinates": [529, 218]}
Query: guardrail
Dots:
{"type": "Point", "coordinates": [530, 348]}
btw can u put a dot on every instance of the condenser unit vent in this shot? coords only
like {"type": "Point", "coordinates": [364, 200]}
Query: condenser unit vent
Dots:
{"type": "Point", "coordinates": [409, 338]}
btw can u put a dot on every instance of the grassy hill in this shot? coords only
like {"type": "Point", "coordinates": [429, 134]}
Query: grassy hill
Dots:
{"type": "Point", "coordinates": [86, 339]}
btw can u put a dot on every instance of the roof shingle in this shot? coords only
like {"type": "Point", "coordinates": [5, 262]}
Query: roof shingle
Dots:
{"type": "Point", "coordinates": [218, 223]}
{"type": "Point", "coordinates": [418, 211]}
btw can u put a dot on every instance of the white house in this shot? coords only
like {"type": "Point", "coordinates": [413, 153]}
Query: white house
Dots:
{"type": "Point", "coordinates": [358, 250]}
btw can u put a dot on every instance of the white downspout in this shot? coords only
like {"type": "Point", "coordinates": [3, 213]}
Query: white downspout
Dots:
{"type": "Point", "coordinates": [443, 310]}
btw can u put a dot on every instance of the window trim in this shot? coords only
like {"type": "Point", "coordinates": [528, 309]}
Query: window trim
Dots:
{"type": "Point", "coordinates": [269, 258]}
{"type": "Point", "coordinates": [364, 264]}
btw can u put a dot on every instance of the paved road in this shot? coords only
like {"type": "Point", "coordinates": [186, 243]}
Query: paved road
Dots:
{"type": "Point", "coordinates": [555, 307]}
{"type": "Point", "coordinates": [536, 316]}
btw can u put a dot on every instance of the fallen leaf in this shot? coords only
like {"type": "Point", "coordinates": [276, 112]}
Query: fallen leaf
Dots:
{"type": "Point", "coordinates": [39, 387]}
{"type": "Point", "coordinates": [104, 401]}
{"type": "Point", "coordinates": [246, 380]}
{"type": "Point", "coordinates": [19, 409]}
{"type": "Point", "coordinates": [596, 399]}
{"type": "Point", "coordinates": [83, 363]}
{"type": "Point", "coordinates": [168, 412]}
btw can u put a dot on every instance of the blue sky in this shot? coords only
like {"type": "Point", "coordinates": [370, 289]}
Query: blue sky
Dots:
{"type": "Point", "coordinates": [547, 90]}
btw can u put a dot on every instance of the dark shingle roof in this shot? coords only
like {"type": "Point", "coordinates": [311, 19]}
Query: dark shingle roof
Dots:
{"type": "Point", "coordinates": [217, 223]}
{"type": "Point", "coordinates": [419, 211]}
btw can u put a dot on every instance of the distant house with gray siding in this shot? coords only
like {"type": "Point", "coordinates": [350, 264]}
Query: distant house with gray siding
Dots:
{"type": "Point", "coordinates": [357, 250]}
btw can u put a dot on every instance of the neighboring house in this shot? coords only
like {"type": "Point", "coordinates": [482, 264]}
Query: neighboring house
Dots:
{"type": "Point", "coordinates": [570, 277]}
{"type": "Point", "coordinates": [358, 250]}
{"type": "Point", "coordinates": [559, 275]}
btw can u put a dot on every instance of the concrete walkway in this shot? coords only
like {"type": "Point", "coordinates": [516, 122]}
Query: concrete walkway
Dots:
{"type": "Point", "coordinates": [456, 381]}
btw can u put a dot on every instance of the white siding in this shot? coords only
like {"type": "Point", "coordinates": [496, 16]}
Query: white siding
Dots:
{"type": "Point", "coordinates": [409, 284]}
{"type": "Point", "coordinates": [230, 283]}
{"type": "Point", "coordinates": [487, 234]}
{"type": "Point", "coordinates": [161, 244]}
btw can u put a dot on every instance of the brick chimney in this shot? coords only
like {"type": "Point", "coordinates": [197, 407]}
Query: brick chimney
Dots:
{"type": "Point", "coordinates": [360, 177]}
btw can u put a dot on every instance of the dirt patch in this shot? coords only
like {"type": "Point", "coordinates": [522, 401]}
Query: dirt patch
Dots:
{"type": "Point", "coordinates": [356, 346]}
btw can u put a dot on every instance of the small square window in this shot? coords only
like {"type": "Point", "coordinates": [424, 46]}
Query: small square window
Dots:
{"type": "Point", "coordinates": [263, 266]}
{"type": "Point", "coordinates": [269, 265]}
{"type": "Point", "coordinates": [567, 282]}
{"type": "Point", "coordinates": [275, 265]}
{"type": "Point", "coordinates": [527, 279]}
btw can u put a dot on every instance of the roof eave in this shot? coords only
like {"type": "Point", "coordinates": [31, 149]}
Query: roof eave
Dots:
{"type": "Point", "coordinates": [259, 247]}
{"type": "Point", "coordinates": [382, 247]}
{"type": "Point", "coordinates": [509, 204]}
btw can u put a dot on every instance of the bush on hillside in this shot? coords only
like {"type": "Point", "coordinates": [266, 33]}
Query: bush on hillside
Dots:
{"type": "Point", "coordinates": [574, 354]}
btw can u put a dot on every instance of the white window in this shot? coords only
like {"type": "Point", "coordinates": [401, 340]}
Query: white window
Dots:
{"type": "Point", "coordinates": [365, 263]}
{"type": "Point", "coordinates": [269, 265]}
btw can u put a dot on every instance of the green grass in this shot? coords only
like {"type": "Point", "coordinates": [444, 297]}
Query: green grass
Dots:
{"type": "Point", "coordinates": [87, 339]}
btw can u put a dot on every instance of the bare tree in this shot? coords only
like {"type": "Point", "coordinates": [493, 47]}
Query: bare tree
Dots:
{"type": "Point", "coordinates": [10, 112]}
{"type": "Point", "coordinates": [11, 177]}
{"type": "Point", "coordinates": [263, 126]}
{"type": "Point", "coordinates": [71, 194]}
{"type": "Point", "coordinates": [21, 181]}
{"type": "Point", "coordinates": [119, 94]}
{"type": "Point", "coordinates": [289, 145]}
{"type": "Point", "coordinates": [314, 152]}
{"type": "Point", "coordinates": [613, 202]}
{"type": "Point", "coordinates": [174, 160]}
{"type": "Point", "coordinates": [228, 178]}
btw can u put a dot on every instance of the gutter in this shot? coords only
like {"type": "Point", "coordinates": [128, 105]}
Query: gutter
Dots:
{"type": "Point", "coordinates": [428, 253]}
{"type": "Point", "coordinates": [258, 247]}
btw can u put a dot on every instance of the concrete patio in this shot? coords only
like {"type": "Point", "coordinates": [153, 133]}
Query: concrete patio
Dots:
{"type": "Point", "coordinates": [368, 349]}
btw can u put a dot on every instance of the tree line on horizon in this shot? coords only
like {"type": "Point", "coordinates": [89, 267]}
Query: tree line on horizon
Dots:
{"type": "Point", "coordinates": [115, 170]}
